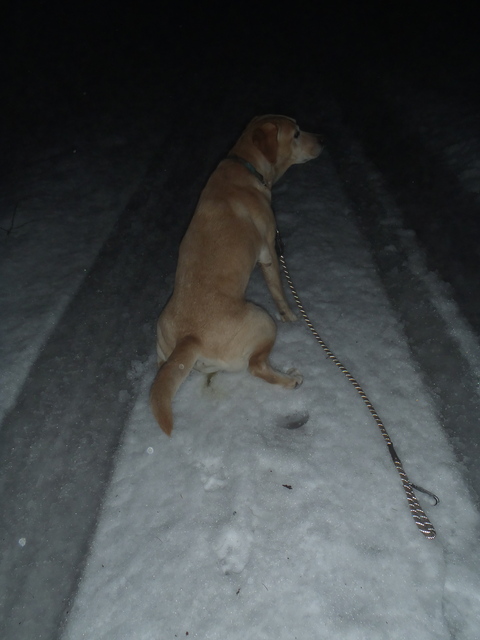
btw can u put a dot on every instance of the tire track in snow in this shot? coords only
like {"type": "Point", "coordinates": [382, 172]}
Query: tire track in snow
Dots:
{"type": "Point", "coordinates": [58, 442]}
{"type": "Point", "coordinates": [430, 324]}
{"type": "Point", "coordinates": [430, 320]}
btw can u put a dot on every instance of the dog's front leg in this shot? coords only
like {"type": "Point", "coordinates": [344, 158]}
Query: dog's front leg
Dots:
{"type": "Point", "coordinates": [271, 273]}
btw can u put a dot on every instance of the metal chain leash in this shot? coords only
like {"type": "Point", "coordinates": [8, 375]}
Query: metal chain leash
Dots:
{"type": "Point", "coordinates": [421, 520]}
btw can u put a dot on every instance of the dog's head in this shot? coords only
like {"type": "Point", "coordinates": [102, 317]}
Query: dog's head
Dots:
{"type": "Point", "coordinates": [281, 142]}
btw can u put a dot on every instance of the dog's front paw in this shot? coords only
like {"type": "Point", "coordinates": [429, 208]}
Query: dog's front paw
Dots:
{"type": "Point", "coordinates": [295, 376]}
{"type": "Point", "coordinates": [288, 316]}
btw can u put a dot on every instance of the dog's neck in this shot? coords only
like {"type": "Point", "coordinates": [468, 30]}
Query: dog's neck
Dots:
{"type": "Point", "coordinates": [248, 165]}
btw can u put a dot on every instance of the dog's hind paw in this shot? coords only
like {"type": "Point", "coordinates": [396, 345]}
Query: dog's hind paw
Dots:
{"type": "Point", "coordinates": [295, 375]}
{"type": "Point", "coordinates": [288, 316]}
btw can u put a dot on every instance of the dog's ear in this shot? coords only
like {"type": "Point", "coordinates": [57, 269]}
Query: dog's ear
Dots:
{"type": "Point", "coordinates": [265, 138]}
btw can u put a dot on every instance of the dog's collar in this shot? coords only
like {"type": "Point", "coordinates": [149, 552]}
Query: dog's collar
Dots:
{"type": "Point", "coordinates": [248, 165]}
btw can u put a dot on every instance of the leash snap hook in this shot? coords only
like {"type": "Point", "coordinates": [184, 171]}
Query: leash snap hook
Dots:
{"type": "Point", "coordinates": [426, 492]}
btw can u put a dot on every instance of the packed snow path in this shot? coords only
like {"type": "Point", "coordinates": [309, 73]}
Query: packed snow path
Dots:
{"type": "Point", "coordinates": [280, 515]}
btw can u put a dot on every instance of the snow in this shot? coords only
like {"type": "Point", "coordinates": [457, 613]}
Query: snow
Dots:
{"type": "Point", "coordinates": [203, 534]}
{"type": "Point", "coordinates": [59, 211]}
{"type": "Point", "coordinates": [269, 514]}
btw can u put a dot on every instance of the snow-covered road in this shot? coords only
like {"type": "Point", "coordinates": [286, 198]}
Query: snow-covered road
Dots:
{"type": "Point", "coordinates": [203, 534]}
{"type": "Point", "coordinates": [268, 514]}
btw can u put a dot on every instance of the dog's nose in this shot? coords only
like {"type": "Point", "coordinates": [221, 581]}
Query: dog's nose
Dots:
{"type": "Point", "coordinates": [320, 137]}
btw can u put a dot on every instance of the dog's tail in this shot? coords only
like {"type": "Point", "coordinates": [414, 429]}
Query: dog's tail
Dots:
{"type": "Point", "coordinates": [169, 377]}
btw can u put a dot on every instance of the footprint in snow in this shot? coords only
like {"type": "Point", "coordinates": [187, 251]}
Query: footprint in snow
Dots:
{"type": "Point", "coordinates": [212, 473]}
{"type": "Point", "coordinates": [233, 548]}
{"type": "Point", "coordinates": [293, 420]}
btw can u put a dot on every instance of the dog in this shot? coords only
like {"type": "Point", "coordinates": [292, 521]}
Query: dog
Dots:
{"type": "Point", "coordinates": [208, 324]}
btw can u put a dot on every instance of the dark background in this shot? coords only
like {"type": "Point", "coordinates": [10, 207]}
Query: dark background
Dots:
{"type": "Point", "coordinates": [65, 63]}
{"type": "Point", "coordinates": [60, 58]}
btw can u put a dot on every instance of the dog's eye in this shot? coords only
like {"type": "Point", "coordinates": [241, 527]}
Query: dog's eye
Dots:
{"type": "Point", "coordinates": [297, 134]}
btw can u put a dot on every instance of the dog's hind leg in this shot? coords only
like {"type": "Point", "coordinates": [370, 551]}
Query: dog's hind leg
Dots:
{"type": "Point", "coordinates": [262, 326]}
{"type": "Point", "coordinates": [260, 367]}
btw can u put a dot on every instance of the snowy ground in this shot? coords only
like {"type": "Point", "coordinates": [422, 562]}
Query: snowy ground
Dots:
{"type": "Point", "coordinates": [59, 211]}
{"type": "Point", "coordinates": [203, 534]}
{"type": "Point", "coordinates": [268, 514]}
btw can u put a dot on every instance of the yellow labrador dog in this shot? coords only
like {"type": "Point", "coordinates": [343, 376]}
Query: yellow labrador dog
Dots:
{"type": "Point", "coordinates": [207, 323]}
